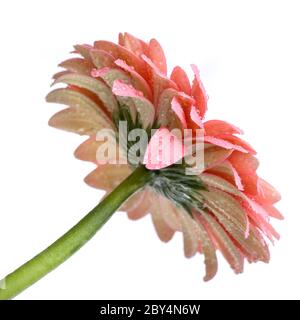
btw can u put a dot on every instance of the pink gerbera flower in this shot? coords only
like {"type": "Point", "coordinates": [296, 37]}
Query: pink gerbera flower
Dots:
{"type": "Point", "coordinates": [145, 131]}
{"type": "Point", "coordinates": [226, 207]}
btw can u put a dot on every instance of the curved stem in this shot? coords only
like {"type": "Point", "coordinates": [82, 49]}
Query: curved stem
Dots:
{"type": "Point", "coordinates": [74, 239]}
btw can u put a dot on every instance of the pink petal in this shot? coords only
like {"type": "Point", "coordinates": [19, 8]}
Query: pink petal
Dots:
{"type": "Point", "coordinates": [160, 82]}
{"type": "Point", "coordinates": [198, 92]}
{"type": "Point", "coordinates": [156, 54]}
{"type": "Point", "coordinates": [163, 230]}
{"type": "Point", "coordinates": [170, 213]}
{"type": "Point", "coordinates": [208, 249]}
{"type": "Point", "coordinates": [179, 76]}
{"type": "Point", "coordinates": [246, 165]}
{"type": "Point", "coordinates": [87, 150]}
{"type": "Point", "coordinates": [154, 67]}
{"type": "Point", "coordinates": [237, 178]}
{"type": "Point", "coordinates": [195, 116]}
{"type": "Point", "coordinates": [267, 194]}
{"type": "Point", "coordinates": [164, 149]}
{"type": "Point", "coordinates": [138, 82]}
{"type": "Point", "coordinates": [107, 176]}
{"type": "Point", "coordinates": [134, 44]}
{"type": "Point", "coordinates": [138, 205]}
{"type": "Point", "coordinates": [177, 108]}
{"type": "Point", "coordinates": [257, 208]}
{"type": "Point", "coordinates": [120, 88]}
{"type": "Point", "coordinates": [190, 239]}
{"type": "Point", "coordinates": [99, 72]}
{"type": "Point", "coordinates": [224, 243]}
{"type": "Point", "coordinates": [263, 225]}
{"type": "Point", "coordinates": [273, 212]}
{"type": "Point", "coordinates": [185, 98]}
{"type": "Point", "coordinates": [238, 141]}
{"type": "Point", "coordinates": [217, 127]}
{"type": "Point", "coordinates": [224, 144]}
{"type": "Point", "coordinates": [121, 41]}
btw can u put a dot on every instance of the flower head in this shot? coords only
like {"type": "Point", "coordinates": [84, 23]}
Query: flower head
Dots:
{"type": "Point", "coordinates": [225, 207]}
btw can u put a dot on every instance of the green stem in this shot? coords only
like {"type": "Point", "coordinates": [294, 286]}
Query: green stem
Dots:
{"type": "Point", "coordinates": [74, 239]}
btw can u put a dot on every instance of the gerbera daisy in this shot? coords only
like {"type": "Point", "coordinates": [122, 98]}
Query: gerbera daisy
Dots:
{"type": "Point", "coordinates": [223, 205]}
{"type": "Point", "coordinates": [232, 205]}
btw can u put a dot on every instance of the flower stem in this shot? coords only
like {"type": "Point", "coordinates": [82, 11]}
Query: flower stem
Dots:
{"type": "Point", "coordinates": [75, 238]}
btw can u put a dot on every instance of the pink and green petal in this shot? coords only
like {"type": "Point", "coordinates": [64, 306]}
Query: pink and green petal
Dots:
{"type": "Point", "coordinates": [227, 171]}
{"type": "Point", "coordinates": [224, 243]}
{"type": "Point", "coordinates": [253, 246]}
{"type": "Point", "coordinates": [228, 206]}
{"type": "Point", "coordinates": [59, 74]}
{"type": "Point", "coordinates": [143, 106]}
{"type": "Point", "coordinates": [109, 75]}
{"type": "Point", "coordinates": [77, 65]}
{"type": "Point", "coordinates": [102, 59]}
{"type": "Point", "coordinates": [217, 182]}
{"type": "Point", "coordinates": [208, 249]}
{"type": "Point", "coordinates": [166, 117]}
{"type": "Point", "coordinates": [100, 89]}
{"type": "Point", "coordinates": [214, 155]}
{"type": "Point", "coordinates": [190, 239]}
{"type": "Point", "coordinates": [81, 107]}
{"type": "Point", "coordinates": [76, 120]}
{"type": "Point", "coordinates": [84, 50]}
{"type": "Point", "coordinates": [124, 54]}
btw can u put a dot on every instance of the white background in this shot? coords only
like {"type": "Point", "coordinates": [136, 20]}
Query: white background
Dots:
{"type": "Point", "coordinates": [248, 54]}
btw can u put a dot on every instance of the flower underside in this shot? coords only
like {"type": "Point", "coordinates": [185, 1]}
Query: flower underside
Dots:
{"type": "Point", "coordinates": [225, 207]}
